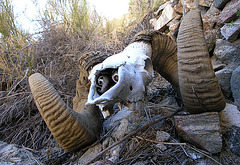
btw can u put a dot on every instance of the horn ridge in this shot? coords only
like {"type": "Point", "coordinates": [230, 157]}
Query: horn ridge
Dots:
{"type": "Point", "coordinates": [198, 84]}
{"type": "Point", "coordinates": [72, 130]}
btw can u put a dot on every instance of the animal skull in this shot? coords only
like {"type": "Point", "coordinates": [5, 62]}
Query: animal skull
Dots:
{"type": "Point", "coordinates": [122, 78]}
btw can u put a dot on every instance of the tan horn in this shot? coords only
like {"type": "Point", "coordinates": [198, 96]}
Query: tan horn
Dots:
{"type": "Point", "coordinates": [72, 130]}
{"type": "Point", "coordinates": [199, 86]}
{"type": "Point", "coordinates": [164, 54]}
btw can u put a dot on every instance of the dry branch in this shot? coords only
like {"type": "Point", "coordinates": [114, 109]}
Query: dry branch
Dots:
{"type": "Point", "coordinates": [133, 133]}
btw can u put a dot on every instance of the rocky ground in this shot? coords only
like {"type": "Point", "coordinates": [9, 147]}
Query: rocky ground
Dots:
{"type": "Point", "coordinates": [210, 138]}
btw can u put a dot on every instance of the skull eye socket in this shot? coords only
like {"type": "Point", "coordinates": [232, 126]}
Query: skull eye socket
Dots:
{"type": "Point", "coordinates": [131, 88]}
{"type": "Point", "coordinates": [106, 79]}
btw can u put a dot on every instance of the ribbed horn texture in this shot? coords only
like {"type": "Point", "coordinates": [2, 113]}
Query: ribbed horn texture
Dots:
{"type": "Point", "coordinates": [199, 86]}
{"type": "Point", "coordinates": [164, 56]}
{"type": "Point", "coordinates": [72, 130]}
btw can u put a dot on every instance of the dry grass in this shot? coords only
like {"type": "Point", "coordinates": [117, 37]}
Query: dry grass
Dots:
{"type": "Point", "coordinates": [55, 54]}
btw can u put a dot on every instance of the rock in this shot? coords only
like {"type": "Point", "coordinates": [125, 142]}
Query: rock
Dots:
{"type": "Point", "coordinates": [235, 86]}
{"type": "Point", "coordinates": [161, 146]}
{"type": "Point", "coordinates": [236, 43]}
{"type": "Point", "coordinates": [115, 153]}
{"type": "Point", "coordinates": [121, 130]}
{"type": "Point", "coordinates": [217, 65]}
{"type": "Point", "coordinates": [220, 3]}
{"type": "Point", "coordinates": [202, 130]}
{"type": "Point", "coordinates": [162, 7]}
{"type": "Point", "coordinates": [162, 136]}
{"type": "Point", "coordinates": [229, 12]}
{"type": "Point", "coordinates": [11, 154]}
{"type": "Point", "coordinates": [178, 8]}
{"type": "Point", "coordinates": [114, 120]}
{"type": "Point", "coordinates": [210, 37]}
{"type": "Point", "coordinates": [227, 53]}
{"type": "Point", "coordinates": [190, 3]}
{"type": "Point", "coordinates": [167, 15]}
{"type": "Point", "coordinates": [231, 31]}
{"type": "Point", "coordinates": [210, 18]}
{"type": "Point", "coordinates": [233, 140]}
{"type": "Point", "coordinates": [89, 155]}
{"type": "Point", "coordinates": [103, 162]}
{"type": "Point", "coordinates": [224, 78]}
{"type": "Point", "coordinates": [229, 117]}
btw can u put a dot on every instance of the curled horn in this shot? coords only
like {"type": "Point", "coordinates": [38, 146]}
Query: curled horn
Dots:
{"type": "Point", "coordinates": [164, 54]}
{"type": "Point", "coordinates": [186, 65]}
{"type": "Point", "coordinates": [72, 130]}
{"type": "Point", "coordinates": [198, 84]}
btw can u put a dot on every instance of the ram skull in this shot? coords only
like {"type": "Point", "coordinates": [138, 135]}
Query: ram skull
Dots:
{"type": "Point", "coordinates": [122, 78]}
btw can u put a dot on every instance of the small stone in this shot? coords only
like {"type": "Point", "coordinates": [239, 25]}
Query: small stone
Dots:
{"type": "Point", "coordinates": [231, 30]}
{"type": "Point", "coordinates": [89, 154]}
{"type": "Point", "coordinates": [235, 86]}
{"type": "Point", "coordinates": [217, 65]}
{"type": "Point", "coordinates": [224, 77]}
{"type": "Point", "coordinates": [103, 162]}
{"type": "Point", "coordinates": [202, 130]}
{"type": "Point", "coordinates": [229, 117]}
{"type": "Point", "coordinates": [122, 129]}
{"type": "Point", "coordinates": [220, 3]}
{"type": "Point", "coordinates": [167, 15]}
{"type": "Point", "coordinates": [229, 12]}
{"type": "Point", "coordinates": [13, 154]}
{"type": "Point", "coordinates": [236, 43]}
{"type": "Point", "coordinates": [162, 136]}
{"type": "Point", "coordinates": [115, 153]}
{"type": "Point", "coordinates": [227, 53]}
{"type": "Point", "coordinates": [161, 146]}
{"type": "Point", "coordinates": [209, 18]}
{"type": "Point", "coordinates": [190, 3]}
{"type": "Point", "coordinates": [233, 140]}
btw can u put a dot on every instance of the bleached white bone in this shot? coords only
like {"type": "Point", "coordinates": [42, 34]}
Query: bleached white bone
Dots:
{"type": "Point", "coordinates": [125, 75]}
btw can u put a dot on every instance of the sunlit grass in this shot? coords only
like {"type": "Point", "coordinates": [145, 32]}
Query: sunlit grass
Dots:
{"type": "Point", "coordinates": [16, 50]}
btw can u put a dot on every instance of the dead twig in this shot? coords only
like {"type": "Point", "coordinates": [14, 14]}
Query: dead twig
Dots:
{"type": "Point", "coordinates": [133, 133]}
{"type": "Point", "coordinates": [20, 93]}
{"type": "Point", "coordinates": [30, 156]}
{"type": "Point", "coordinates": [18, 83]}
{"type": "Point", "coordinates": [204, 154]}
{"type": "Point", "coordinates": [154, 141]}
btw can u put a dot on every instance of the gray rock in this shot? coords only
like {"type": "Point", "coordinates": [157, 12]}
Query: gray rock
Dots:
{"type": "Point", "coordinates": [231, 31]}
{"type": "Point", "coordinates": [202, 130]}
{"type": "Point", "coordinates": [167, 15]}
{"type": "Point", "coordinates": [11, 154]}
{"type": "Point", "coordinates": [89, 155]}
{"type": "Point", "coordinates": [229, 12]}
{"type": "Point", "coordinates": [235, 86]}
{"type": "Point", "coordinates": [227, 53]}
{"type": "Point", "coordinates": [122, 129]}
{"type": "Point", "coordinates": [233, 140]}
{"type": "Point", "coordinates": [236, 43]}
{"type": "Point", "coordinates": [114, 120]}
{"type": "Point", "coordinates": [220, 3]}
{"type": "Point", "coordinates": [224, 78]}
{"type": "Point", "coordinates": [190, 3]}
{"type": "Point", "coordinates": [103, 162]}
{"type": "Point", "coordinates": [161, 146]}
{"type": "Point", "coordinates": [216, 64]}
{"type": "Point", "coordinates": [162, 136]}
{"type": "Point", "coordinates": [229, 117]}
